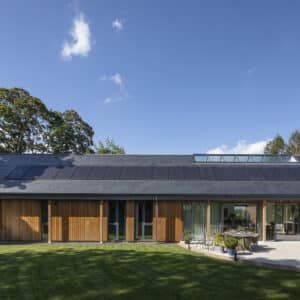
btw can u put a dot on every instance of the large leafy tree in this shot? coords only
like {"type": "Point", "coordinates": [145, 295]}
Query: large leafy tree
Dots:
{"type": "Point", "coordinates": [293, 146]}
{"type": "Point", "coordinates": [23, 119]}
{"type": "Point", "coordinates": [26, 125]}
{"type": "Point", "coordinates": [275, 146]}
{"type": "Point", "coordinates": [109, 147]}
{"type": "Point", "coordinates": [70, 133]}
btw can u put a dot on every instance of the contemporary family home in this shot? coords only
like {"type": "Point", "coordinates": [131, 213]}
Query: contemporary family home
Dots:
{"type": "Point", "coordinates": [102, 198]}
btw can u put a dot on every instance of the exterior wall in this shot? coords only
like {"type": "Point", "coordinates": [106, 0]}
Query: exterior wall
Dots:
{"type": "Point", "coordinates": [169, 221]}
{"type": "Point", "coordinates": [130, 221]}
{"type": "Point", "coordinates": [75, 221]}
{"type": "Point", "coordinates": [20, 220]}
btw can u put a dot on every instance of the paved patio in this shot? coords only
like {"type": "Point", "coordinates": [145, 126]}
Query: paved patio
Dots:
{"type": "Point", "coordinates": [280, 253]}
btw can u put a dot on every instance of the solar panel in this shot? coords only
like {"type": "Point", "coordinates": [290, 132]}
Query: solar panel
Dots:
{"type": "Point", "coordinates": [113, 173]}
{"type": "Point", "coordinates": [203, 172]}
{"type": "Point", "coordinates": [161, 173]}
{"type": "Point", "coordinates": [128, 173]}
{"type": "Point", "coordinates": [17, 173]}
{"type": "Point", "coordinates": [228, 173]}
{"type": "Point", "coordinates": [49, 173]}
{"type": "Point", "coordinates": [143, 173]}
{"type": "Point", "coordinates": [96, 173]}
{"type": "Point", "coordinates": [191, 173]}
{"type": "Point", "coordinates": [81, 172]}
{"type": "Point", "coordinates": [176, 173]}
{"type": "Point", "coordinates": [254, 173]}
{"type": "Point", "coordinates": [291, 174]}
{"type": "Point", "coordinates": [206, 173]}
{"type": "Point", "coordinates": [64, 172]}
{"type": "Point", "coordinates": [34, 172]}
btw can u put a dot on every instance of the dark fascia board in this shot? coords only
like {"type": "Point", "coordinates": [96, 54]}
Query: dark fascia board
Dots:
{"type": "Point", "coordinates": [148, 197]}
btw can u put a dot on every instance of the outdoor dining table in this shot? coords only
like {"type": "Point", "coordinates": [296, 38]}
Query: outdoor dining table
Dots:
{"type": "Point", "coordinates": [246, 238]}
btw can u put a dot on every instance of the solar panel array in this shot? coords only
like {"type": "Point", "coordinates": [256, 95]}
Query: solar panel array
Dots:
{"type": "Point", "coordinates": [234, 173]}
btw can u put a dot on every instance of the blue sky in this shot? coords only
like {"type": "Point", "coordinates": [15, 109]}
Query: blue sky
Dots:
{"type": "Point", "coordinates": [161, 76]}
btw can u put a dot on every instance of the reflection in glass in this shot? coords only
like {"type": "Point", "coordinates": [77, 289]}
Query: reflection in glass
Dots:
{"type": "Point", "coordinates": [283, 221]}
{"type": "Point", "coordinates": [143, 220]}
{"type": "Point", "coordinates": [116, 220]}
{"type": "Point", "coordinates": [227, 216]}
{"type": "Point", "coordinates": [194, 219]}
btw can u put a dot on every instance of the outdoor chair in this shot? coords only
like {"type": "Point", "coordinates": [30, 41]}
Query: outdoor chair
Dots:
{"type": "Point", "coordinates": [209, 244]}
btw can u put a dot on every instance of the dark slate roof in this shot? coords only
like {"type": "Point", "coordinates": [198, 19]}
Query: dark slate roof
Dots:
{"type": "Point", "coordinates": [132, 175]}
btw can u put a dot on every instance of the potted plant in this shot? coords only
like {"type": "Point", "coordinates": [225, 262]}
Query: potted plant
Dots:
{"type": "Point", "coordinates": [231, 243]}
{"type": "Point", "coordinates": [219, 243]}
{"type": "Point", "coordinates": [187, 237]}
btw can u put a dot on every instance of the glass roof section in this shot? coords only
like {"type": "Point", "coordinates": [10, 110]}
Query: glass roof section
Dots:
{"type": "Point", "coordinates": [244, 158]}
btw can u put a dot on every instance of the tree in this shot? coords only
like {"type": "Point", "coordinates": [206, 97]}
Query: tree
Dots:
{"type": "Point", "coordinates": [109, 147]}
{"type": "Point", "coordinates": [23, 119]}
{"type": "Point", "coordinates": [69, 133]}
{"type": "Point", "coordinates": [275, 146]}
{"type": "Point", "coordinates": [26, 125]}
{"type": "Point", "coordinates": [293, 146]}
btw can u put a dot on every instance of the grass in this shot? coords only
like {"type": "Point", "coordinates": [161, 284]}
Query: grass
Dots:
{"type": "Point", "coordinates": [129, 271]}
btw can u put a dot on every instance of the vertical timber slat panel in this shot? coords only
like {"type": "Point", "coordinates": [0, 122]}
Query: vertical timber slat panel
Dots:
{"type": "Point", "coordinates": [105, 221]}
{"type": "Point", "coordinates": [179, 222]}
{"type": "Point", "coordinates": [21, 220]}
{"type": "Point", "coordinates": [264, 220]}
{"type": "Point", "coordinates": [208, 219]}
{"type": "Point", "coordinates": [1, 218]}
{"type": "Point", "coordinates": [74, 220]}
{"type": "Point", "coordinates": [170, 221]}
{"type": "Point", "coordinates": [101, 221]}
{"type": "Point", "coordinates": [49, 221]}
{"type": "Point", "coordinates": [130, 220]}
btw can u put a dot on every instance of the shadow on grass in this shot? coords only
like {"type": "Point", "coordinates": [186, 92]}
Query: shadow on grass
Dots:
{"type": "Point", "coordinates": [134, 272]}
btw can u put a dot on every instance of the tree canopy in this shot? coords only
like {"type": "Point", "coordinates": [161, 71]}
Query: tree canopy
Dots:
{"type": "Point", "coordinates": [279, 146]}
{"type": "Point", "coordinates": [275, 146]}
{"type": "Point", "coordinates": [293, 146]}
{"type": "Point", "coordinates": [109, 147]}
{"type": "Point", "coordinates": [28, 126]}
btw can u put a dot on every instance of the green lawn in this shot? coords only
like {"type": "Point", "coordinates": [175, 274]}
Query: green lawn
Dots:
{"type": "Point", "coordinates": [131, 271]}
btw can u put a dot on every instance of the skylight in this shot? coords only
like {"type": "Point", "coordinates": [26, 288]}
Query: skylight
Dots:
{"type": "Point", "coordinates": [243, 158]}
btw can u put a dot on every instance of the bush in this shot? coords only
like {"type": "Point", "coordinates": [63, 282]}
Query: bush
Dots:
{"type": "Point", "coordinates": [231, 243]}
{"type": "Point", "coordinates": [187, 236]}
{"type": "Point", "coordinates": [219, 239]}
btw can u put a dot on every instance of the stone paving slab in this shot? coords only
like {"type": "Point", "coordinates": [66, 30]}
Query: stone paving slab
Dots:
{"type": "Point", "coordinates": [279, 253]}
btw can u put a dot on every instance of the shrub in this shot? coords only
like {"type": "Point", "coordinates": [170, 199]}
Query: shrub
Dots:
{"type": "Point", "coordinates": [231, 243]}
{"type": "Point", "coordinates": [219, 239]}
{"type": "Point", "coordinates": [187, 236]}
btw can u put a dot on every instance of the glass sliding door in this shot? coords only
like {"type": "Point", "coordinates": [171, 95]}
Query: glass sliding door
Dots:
{"type": "Point", "coordinates": [44, 218]}
{"type": "Point", "coordinates": [237, 216]}
{"type": "Point", "coordinates": [194, 220]}
{"type": "Point", "coordinates": [143, 220]}
{"type": "Point", "coordinates": [116, 220]}
{"type": "Point", "coordinates": [283, 221]}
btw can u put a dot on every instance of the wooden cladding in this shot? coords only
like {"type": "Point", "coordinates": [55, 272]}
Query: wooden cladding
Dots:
{"type": "Point", "coordinates": [20, 220]}
{"type": "Point", "coordinates": [130, 221]}
{"type": "Point", "coordinates": [83, 220]}
{"type": "Point", "coordinates": [75, 221]}
{"type": "Point", "coordinates": [104, 222]}
{"type": "Point", "coordinates": [169, 221]}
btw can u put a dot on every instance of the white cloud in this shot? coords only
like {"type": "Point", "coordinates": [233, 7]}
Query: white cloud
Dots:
{"type": "Point", "coordinates": [115, 78]}
{"type": "Point", "coordinates": [242, 147]}
{"type": "Point", "coordinates": [117, 24]}
{"type": "Point", "coordinates": [110, 100]}
{"type": "Point", "coordinates": [81, 39]}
